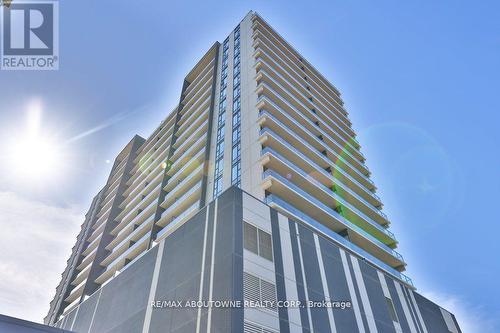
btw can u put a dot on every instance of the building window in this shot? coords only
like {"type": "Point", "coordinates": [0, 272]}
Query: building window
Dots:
{"type": "Point", "coordinates": [219, 150]}
{"type": "Point", "coordinates": [257, 241]}
{"type": "Point", "coordinates": [223, 93]}
{"type": "Point", "coordinates": [265, 245]}
{"type": "Point", "coordinates": [236, 118]}
{"type": "Point", "coordinates": [392, 311]}
{"type": "Point", "coordinates": [219, 166]}
{"type": "Point", "coordinates": [236, 173]}
{"type": "Point", "coordinates": [218, 185]}
{"type": "Point", "coordinates": [250, 238]}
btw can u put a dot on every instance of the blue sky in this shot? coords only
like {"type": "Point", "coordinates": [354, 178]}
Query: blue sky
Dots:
{"type": "Point", "coordinates": [421, 81]}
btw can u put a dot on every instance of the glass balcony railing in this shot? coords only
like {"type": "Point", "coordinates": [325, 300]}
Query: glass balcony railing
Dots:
{"type": "Point", "coordinates": [131, 209]}
{"type": "Point", "coordinates": [260, 38]}
{"type": "Point", "coordinates": [142, 228]}
{"type": "Point", "coordinates": [180, 200]}
{"type": "Point", "coordinates": [339, 139]}
{"type": "Point", "coordinates": [355, 170]}
{"type": "Point", "coordinates": [131, 249]}
{"type": "Point", "coordinates": [145, 212]}
{"type": "Point", "coordinates": [342, 150]}
{"type": "Point", "coordinates": [137, 188]}
{"type": "Point", "coordinates": [332, 104]}
{"type": "Point", "coordinates": [327, 209]}
{"type": "Point", "coordinates": [274, 200]}
{"type": "Point", "coordinates": [325, 188]}
{"type": "Point", "coordinates": [174, 223]}
{"type": "Point", "coordinates": [340, 122]}
{"type": "Point", "coordinates": [164, 137]}
{"type": "Point", "coordinates": [318, 168]}
{"type": "Point", "coordinates": [346, 135]}
{"type": "Point", "coordinates": [184, 140]}
{"type": "Point", "coordinates": [347, 139]}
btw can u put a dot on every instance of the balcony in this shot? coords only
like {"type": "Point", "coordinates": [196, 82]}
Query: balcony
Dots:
{"type": "Point", "coordinates": [178, 221]}
{"type": "Point", "coordinates": [292, 117]}
{"type": "Point", "coordinates": [160, 152]}
{"type": "Point", "coordinates": [268, 120]}
{"type": "Point", "coordinates": [354, 210]}
{"type": "Point", "coordinates": [111, 193]}
{"type": "Point", "coordinates": [174, 206]}
{"type": "Point", "coordinates": [182, 183]}
{"type": "Point", "coordinates": [137, 189]}
{"type": "Point", "coordinates": [189, 118]}
{"type": "Point", "coordinates": [137, 219]}
{"type": "Point", "coordinates": [130, 254]}
{"type": "Point", "coordinates": [262, 44]}
{"type": "Point", "coordinates": [92, 245]}
{"type": "Point", "coordinates": [278, 203]}
{"type": "Point", "coordinates": [193, 157]}
{"type": "Point", "coordinates": [288, 101]}
{"type": "Point", "coordinates": [102, 217]}
{"type": "Point", "coordinates": [164, 130]}
{"type": "Point", "coordinates": [155, 141]}
{"type": "Point", "coordinates": [318, 166]}
{"type": "Point", "coordinates": [267, 73]}
{"type": "Point", "coordinates": [279, 185]}
{"type": "Point", "coordinates": [136, 205]}
{"type": "Point", "coordinates": [71, 306]}
{"type": "Point", "coordinates": [76, 292]}
{"type": "Point", "coordinates": [191, 135]}
{"type": "Point", "coordinates": [183, 153]}
{"type": "Point", "coordinates": [197, 99]}
{"type": "Point", "coordinates": [261, 28]}
{"type": "Point", "coordinates": [81, 276]}
{"type": "Point", "coordinates": [87, 260]}
{"type": "Point", "coordinates": [133, 237]}
{"type": "Point", "coordinates": [263, 58]}
{"type": "Point", "coordinates": [147, 172]}
{"type": "Point", "coordinates": [204, 74]}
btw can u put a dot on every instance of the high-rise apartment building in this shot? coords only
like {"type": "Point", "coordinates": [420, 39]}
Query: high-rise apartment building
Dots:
{"type": "Point", "coordinates": [253, 188]}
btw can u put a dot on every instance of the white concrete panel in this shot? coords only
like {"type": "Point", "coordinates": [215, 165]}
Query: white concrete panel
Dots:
{"type": "Point", "coordinates": [259, 266]}
{"type": "Point", "coordinates": [385, 289]}
{"type": "Point", "coordinates": [154, 285]}
{"type": "Point", "coordinates": [303, 276]}
{"type": "Point", "coordinates": [324, 283]}
{"type": "Point", "coordinates": [288, 269]}
{"type": "Point", "coordinates": [352, 292]}
{"type": "Point", "coordinates": [419, 315]}
{"type": "Point", "coordinates": [406, 309]}
{"type": "Point", "coordinates": [364, 295]}
{"type": "Point", "coordinates": [450, 323]}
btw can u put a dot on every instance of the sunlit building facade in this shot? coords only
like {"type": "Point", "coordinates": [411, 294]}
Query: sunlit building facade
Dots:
{"type": "Point", "coordinates": [253, 188]}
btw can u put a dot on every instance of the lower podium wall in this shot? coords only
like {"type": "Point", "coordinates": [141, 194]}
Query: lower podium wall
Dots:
{"type": "Point", "coordinates": [15, 325]}
{"type": "Point", "coordinates": [204, 259]}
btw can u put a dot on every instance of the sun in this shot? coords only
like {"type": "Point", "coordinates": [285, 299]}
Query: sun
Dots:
{"type": "Point", "coordinates": [34, 157]}
{"type": "Point", "coordinates": [32, 153]}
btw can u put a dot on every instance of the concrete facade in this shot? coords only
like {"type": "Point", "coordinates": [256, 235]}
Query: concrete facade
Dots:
{"type": "Point", "coordinates": [205, 259]}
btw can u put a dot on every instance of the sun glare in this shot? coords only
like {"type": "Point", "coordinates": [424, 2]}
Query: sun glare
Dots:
{"type": "Point", "coordinates": [33, 155]}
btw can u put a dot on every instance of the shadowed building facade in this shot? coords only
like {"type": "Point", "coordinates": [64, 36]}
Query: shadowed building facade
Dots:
{"type": "Point", "coordinates": [253, 188]}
